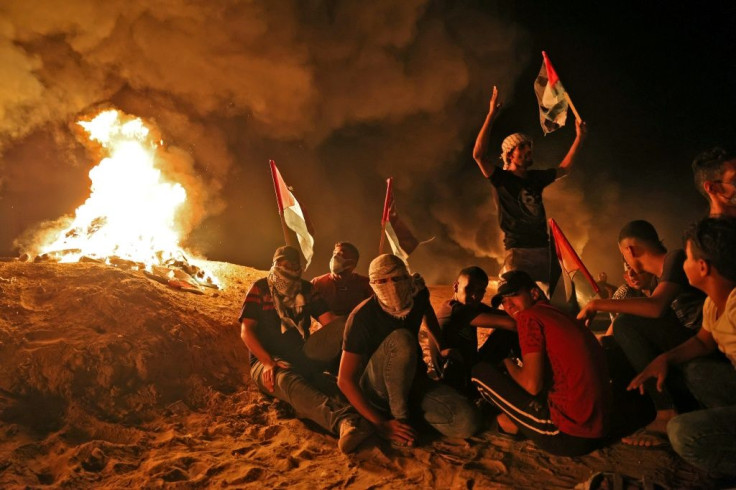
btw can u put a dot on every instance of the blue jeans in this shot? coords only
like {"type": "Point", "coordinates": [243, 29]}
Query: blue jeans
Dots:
{"type": "Point", "coordinates": [391, 383]}
{"type": "Point", "coordinates": [707, 438]}
{"type": "Point", "coordinates": [308, 402]}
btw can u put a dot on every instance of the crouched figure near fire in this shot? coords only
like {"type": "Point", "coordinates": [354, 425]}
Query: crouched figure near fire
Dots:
{"type": "Point", "coordinates": [275, 321]}
{"type": "Point", "coordinates": [382, 372]}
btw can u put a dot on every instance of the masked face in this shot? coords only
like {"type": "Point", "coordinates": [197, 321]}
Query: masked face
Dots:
{"type": "Point", "coordinates": [285, 278]}
{"type": "Point", "coordinates": [342, 261]}
{"type": "Point", "coordinates": [394, 293]}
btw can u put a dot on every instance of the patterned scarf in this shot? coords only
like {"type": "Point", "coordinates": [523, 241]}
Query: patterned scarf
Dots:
{"type": "Point", "coordinates": [394, 287]}
{"type": "Point", "coordinates": [286, 292]}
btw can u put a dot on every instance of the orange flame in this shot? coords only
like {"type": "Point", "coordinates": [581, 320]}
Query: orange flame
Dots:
{"type": "Point", "coordinates": [132, 210]}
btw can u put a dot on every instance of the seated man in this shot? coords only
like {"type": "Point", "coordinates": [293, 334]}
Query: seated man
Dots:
{"type": "Point", "coordinates": [558, 395]}
{"type": "Point", "coordinates": [715, 177]}
{"type": "Point", "coordinates": [649, 326]}
{"type": "Point", "coordinates": [636, 285]}
{"type": "Point", "coordinates": [707, 438]}
{"type": "Point", "coordinates": [275, 321]}
{"type": "Point", "coordinates": [459, 320]}
{"type": "Point", "coordinates": [343, 288]}
{"type": "Point", "coordinates": [382, 372]}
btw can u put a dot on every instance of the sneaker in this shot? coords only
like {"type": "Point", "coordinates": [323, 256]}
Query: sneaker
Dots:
{"type": "Point", "coordinates": [353, 431]}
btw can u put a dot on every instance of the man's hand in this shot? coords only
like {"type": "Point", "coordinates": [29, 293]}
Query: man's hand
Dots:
{"type": "Point", "coordinates": [581, 129]}
{"type": "Point", "coordinates": [495, 105]}
{"type": "Point", "coordinates": [656, 369]}
{"type": "Point", "coordinates": [397, 431]}
{"type": "Point", "coordinates": [588, 312]}
{"type": "Point", "coordinates": [268, 375]}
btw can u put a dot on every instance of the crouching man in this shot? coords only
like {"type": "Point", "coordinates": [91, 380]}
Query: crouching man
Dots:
{"type": "Point", "coordinates": [558, 395]}
{"type": "Point", "coordinates": [275, 321]}
{"type": "Point", "coordinates": [382, 372]}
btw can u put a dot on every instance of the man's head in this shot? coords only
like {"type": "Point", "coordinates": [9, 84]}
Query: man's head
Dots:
{"type": "Point", "coordinates": [517, 291]}
{"type": "Point", "coordinates": [516, 152]}
{"type": "Point", "coordinates": [714, 172]}
{"type": "Point", "coordinates": [638, 239]}
{"type": "Point", "coordinates": [710, 245]}
{"type": "Point", "coordinates": [287, 257]}
{"type": "Point", "coordinates": [637, 280]}
{"type": "Point", "coordinates": [344, 258]}
{"type": "Point", "coordinates": [470, 286]}
{"type": "Point", "coordinates": [392, 284]}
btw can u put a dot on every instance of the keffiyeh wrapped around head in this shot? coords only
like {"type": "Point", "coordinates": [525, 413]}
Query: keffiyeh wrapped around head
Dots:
{"type": "Point", "coordinates": [285, 283]}
{"type": "Point", "coordinates": [511, 142]}
{"type": "Point", "coordinates": [393, 286]}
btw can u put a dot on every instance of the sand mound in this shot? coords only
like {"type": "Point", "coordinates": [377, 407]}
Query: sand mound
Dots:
{"type": "Point", "coordinates": [110, 380]}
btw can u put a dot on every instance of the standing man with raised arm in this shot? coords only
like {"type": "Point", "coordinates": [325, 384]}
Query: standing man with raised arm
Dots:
{"type": "Point", "coordinates": [518, 195]}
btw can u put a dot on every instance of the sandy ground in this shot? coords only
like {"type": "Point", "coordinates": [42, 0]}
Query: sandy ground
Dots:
{"type": "Point", "coordinates": [111, 380]}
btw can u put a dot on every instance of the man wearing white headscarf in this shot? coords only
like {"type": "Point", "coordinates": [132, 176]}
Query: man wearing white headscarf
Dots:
{"type": "Point", "coordinates": [275, 320]}
{"type": "Point", "coordinates": [518, 194]}
{"type": "Point", "coordinates": [382, 372]}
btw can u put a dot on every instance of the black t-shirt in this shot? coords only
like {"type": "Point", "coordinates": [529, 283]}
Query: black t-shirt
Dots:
{"type": "Point", "coordinates": [258, 306]}
{"type": "Point", "coordinates": [457, 332]}
{"type": "Point", "coordinates": [521, 211]}
{"type": "Point", "coordinates": [688, 305]}
{"type": "Point", "coordinates": [368, 325]}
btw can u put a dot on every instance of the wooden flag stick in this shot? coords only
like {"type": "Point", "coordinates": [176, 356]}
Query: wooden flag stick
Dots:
{"type": "Point", "coordinates": [572, 106]}
{"type": "Point", "coordinates": [384, 216]}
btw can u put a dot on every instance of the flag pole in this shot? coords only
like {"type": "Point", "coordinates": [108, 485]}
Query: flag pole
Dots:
{"type": "Point", "coordinates": [572, 106]}
{"type": "Point", "coordinates": [384, 216]}
{"type": "Point", "coordinates": [279, 202]}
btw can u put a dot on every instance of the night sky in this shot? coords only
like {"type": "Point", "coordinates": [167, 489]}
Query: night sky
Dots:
{"type": "Point", "coordinates": [345, 94]}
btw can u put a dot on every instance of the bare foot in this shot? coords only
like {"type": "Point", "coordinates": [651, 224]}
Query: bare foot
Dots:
{"type": "Point", "coordinates": [654, 434]}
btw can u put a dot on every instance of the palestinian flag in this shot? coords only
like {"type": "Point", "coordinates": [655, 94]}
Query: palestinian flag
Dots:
{"type": "Point", "coordinates": [293, 214]}
{"type": "Point", "coordinates": [400, 238]}
{"type": "Point", "coordinates": [551, 96]}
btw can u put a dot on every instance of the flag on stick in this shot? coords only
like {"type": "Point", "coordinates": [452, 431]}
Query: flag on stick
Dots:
{"type": "Point", "coordinates": [575, 272]}
{"type": "Point", "coordinates": [292, 215]}
{"type": "Point", "coordinates": [400, 238]}
{"type": "Point", "coordinates": [552, 97]}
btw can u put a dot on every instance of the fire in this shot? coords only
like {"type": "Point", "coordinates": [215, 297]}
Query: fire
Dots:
{"type": "Point", "coordinates": [131, 213]}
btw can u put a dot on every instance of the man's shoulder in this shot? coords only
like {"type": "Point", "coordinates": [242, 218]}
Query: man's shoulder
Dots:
{"type": "Point", "coordinates": [260, 286]}
{"type": "Point", "coordinates": [322, 280]}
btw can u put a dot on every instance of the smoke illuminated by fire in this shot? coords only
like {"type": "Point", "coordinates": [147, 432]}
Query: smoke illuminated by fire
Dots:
{"type": "Point", "coordinates": [132, 210]}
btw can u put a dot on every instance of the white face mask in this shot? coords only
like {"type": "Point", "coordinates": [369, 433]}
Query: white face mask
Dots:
{"type": "Point", "coordinates": [339, 264]}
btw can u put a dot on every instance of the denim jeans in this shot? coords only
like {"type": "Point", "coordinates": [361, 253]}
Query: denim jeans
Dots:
{"type": "Point", "coordinates": [643, 339]}
{"type": "Point", "coordinates": [308, 402]}
{"type": "Point", "coordinates": [391, 382]}
{"type": "Point", "coordinates": [706, 439]}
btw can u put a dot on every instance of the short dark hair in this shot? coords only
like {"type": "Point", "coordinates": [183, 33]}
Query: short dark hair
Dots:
{"type": "Point", "coordinates": [349, 246]}
{"type": "Point", "coordinates": [714, 240]}
{"type": "Point", "coordinates": [708, 166]}
{"type": "Point", "coordinates": [643, 231]}
{"type": "Point", "coordinates": [474, 273]}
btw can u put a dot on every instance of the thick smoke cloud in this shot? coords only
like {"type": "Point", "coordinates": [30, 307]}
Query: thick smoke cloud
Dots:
{"type": "Point", "coordinates": [341, 94]}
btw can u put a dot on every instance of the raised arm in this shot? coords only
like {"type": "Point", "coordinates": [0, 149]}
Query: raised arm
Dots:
{"type": "Point", "coordinates": [480, 151]}
{"type": "Point", "coordinates": [581, 131]}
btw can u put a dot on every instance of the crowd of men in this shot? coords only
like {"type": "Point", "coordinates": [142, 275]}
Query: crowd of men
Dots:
{"type": "Point", "coordinates": [541, 374]}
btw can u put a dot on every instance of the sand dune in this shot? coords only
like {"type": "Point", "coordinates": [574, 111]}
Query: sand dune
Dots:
{"type": "Point", "coordinates": [111, 380]}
